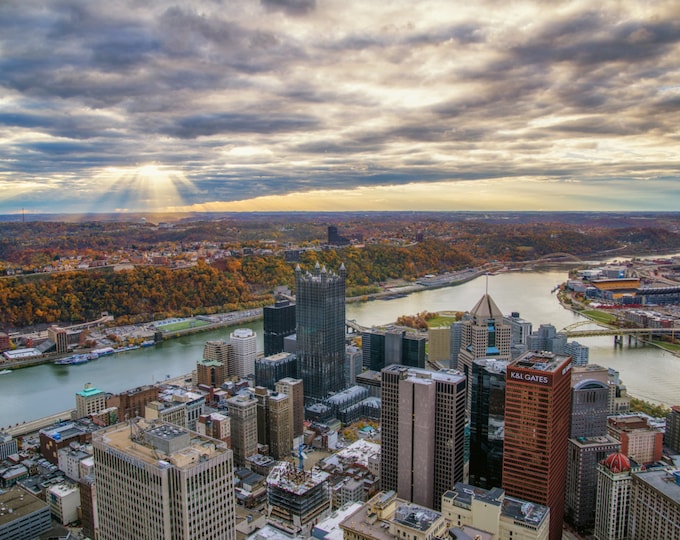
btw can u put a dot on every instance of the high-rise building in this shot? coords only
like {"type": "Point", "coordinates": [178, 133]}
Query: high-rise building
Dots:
{"type": "Point", "coordinates": [382, 348]}
{"type": "Point", "coordinates": [296, 499]}
{"type": "Point", "coordinates": [547, 338]}
{"type": "Point", "coordinates": [537, 415]}
{"type": "Point", "coordinates": [613, 497]}
{"type": "Point", "coordinates": [278, 323]}
{"type": "Point", "coordinates": [272, 368]}
{"type": "Point", "coordinates": [487, 422]}
{"type": "Point", "coordinates": [274, 423]}
{"type": "Point", "coordinates": [353, 364]}
{"type": "Point", "coordinates": [243, 415]}
{"type": "Point", "coordinates": [672, 434]}
{"type": "Point", "coordinates": [156, 480]}
{"type": "Point", "coordinates": [320, 317]}
{"type": "Point", "coordinates": [639, 441]}
{"type": "Point", "coordinates": [60, 338]}
{"type": "Point", "coordinates": [439, 345]}
{"type": "Point", "coordinates": [583, 455]}
{"type": "Point", "coordinates": [654, 504]}
{"type": "Point", "coordinates": [485, 334]}
{"type": "Point", "coordinates": [220, 351]}
{"type": "Point", "coordinates": [423, 432]}
{"type": "Point", "coordinates": [589, 445]}
{"type": "Point", "coordinates": [293, 387]}
{"type": "Point", "coordinates": [580, 354]}
{"type": "Point", "coordinates": [90, 400]}
{"type": "Point", "coordinates": [244, 345]}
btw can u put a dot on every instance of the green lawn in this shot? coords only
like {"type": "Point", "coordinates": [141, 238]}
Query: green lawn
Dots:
{"type": "Point", "coordinates": [599, 316]}
{"type": "Point", "coordinates": [182, 325]}
{"type": "Point", "coordinates": [665, 345]}
{"type": "Point", "coordinates": [441, 320]}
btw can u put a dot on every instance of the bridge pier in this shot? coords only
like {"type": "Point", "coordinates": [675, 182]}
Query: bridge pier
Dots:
{"type": "Point", "coordinates": [618, 340]}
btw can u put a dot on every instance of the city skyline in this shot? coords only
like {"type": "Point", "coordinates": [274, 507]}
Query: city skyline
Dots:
{"type": "Point", "coordinates": [288, 105]}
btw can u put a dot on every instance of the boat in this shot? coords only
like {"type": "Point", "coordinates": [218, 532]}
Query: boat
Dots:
{"type": "Point", "coordinates": [5, 371]}
{"type": "Point", "coordinates": [148, 343]}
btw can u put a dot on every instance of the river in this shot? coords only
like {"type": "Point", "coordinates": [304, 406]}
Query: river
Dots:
{"type": "Point", "coordinates": [649, 373]}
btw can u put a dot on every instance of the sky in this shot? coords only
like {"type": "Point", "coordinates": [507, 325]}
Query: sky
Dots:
{"type": "Point", "coordinates": [332, 105]}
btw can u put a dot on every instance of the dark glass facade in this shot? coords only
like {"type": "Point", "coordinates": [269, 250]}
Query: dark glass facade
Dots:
{"type": "Point", "coordinates": [487, 422]}
{"type": "Point", "coordinates": [320, 317]}
{"type": "Point", "coordinates": [279, 322]}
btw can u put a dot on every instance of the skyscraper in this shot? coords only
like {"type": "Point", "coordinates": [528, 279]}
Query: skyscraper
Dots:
{"type": "Point", "coordinates": [293, 387]}
{"type": "Point", "coordinates": [487, 422]}
{"type": "Point", "coordinates": [613, 497]}
{"type": "Point", "coordinates": [485, 334]}
{"type": "Point", "coordinates": [320, 317]}
{"type": "Point", "coordinates": [274, 421]}
{"type": "Point", "coordinates": [244, 344]}
{"type": "Point", "coordinates": [537, 414]}
{"type": "Point", "coordinates": [279, 322]}
{"type": "Point", "coordinates": [156, 480]}
{"type": "Point", "coordinates": [220, 351]}
{"type": "Point", "coordinates": [243, 415]}
{"type": "Point", "coordinates": [423, 433]}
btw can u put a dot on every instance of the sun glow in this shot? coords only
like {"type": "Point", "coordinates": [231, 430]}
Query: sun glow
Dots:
{"type": "Point", "coordinates": [148, 187]}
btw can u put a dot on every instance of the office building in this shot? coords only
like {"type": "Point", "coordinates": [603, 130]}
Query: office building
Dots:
{"type": "Point", "coordinates": [639, 441]}
{"type": "Point", "coordinates": [296, 499]}
{"type": "Point", "coordinates": [589, 408]}
{"type": "Point", "coordinates": [672, 434]}
{"type": "Point", "coordinates": [58, 336]}
{"type": "Point", "coordinates": [90, 400]}
{"type": "Point", "coordinates": [654, 505]}
{"type": "Point", "coordinates": [88, 506]}
{"type": "Point", "coordinates": [580, 354]}
{"type": "Point", "coordinates": [487, 422]}
{"type": "Point", "coordinates": [132, 403]}
{"type": "Point", "coordinates": [589, 444]}
{"type": "Point", "coordinates": [243, 415]}
{"type": "Point", "coordinates": [156, 480]}
{"type": "Point", "coordinates": [584, 454]}
{"type": "Point", "coordinates": [64, 501]}
{"type": "Point", "coordinates": [473, 512]}
{"type": "Point", "coordinates": [293, 388]}
{"type": "Point", "coordinates": [320, 317]}
{"type": "Point", "coordinates": [382, 348]}
{"type": "Point", "coordinates": [216, 426]}
{"type": "Point", "coordinates": [485, 334]}
{"type": "Point", "coordinates": [274, 422]}
{"type": "Point", "coordinates": [8, 445]}
{"type": "Point", "coordinates": [334, 239]}
{"type": "Point", "coordinates": [456, 340]}
{"type": "Point", "coordinates": [270, 369]}
{"type": "Point", "coordinates": [211, 373]}
{"type": "Point", "coordinates": [353, 364]}
{"type": "Point", "coordinates": [387, 516]}
{"type": "Point", "coordinates": [244, 345]}
{"type": "Point", "coordinates": [537, 417]}
{"type": "Point", "coordinates": [439, 345]}
{"type": "Point", "coordinates": [613, 497]}
{"type": "Point", "coordinates": [279, 322]}
{"type": "Point", "coordinates": [546, 338]}
{"type": "Point", "coordinates": [520, 330]}
{"type": "Point", "coordinates": [423, 432]}
{"type": "Point", "coordinates": [219, 350]}
{"type": "Point", "coordinates": [24, 516]}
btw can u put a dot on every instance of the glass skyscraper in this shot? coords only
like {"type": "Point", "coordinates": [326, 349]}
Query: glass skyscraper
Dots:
{"type": "Point", "coordinates": [320, 319]}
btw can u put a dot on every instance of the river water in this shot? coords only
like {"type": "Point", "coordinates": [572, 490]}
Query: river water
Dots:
{"type": "Point", "coordinates": [649, 373]}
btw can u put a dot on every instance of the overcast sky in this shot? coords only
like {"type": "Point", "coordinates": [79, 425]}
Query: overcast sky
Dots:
{"type": "Point", "coordinates": [339, 105]}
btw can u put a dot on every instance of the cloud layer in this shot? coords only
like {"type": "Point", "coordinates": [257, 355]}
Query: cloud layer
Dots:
{"type": "Point", "coordinates": [334, 105]}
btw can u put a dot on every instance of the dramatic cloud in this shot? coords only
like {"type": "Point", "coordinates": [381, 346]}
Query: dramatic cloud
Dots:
{"type": "Point", "coordinates": [334, 105]}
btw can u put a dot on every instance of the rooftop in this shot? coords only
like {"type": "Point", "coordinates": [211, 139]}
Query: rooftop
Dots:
{"type": "Point", "coordinates": [540, 361]}
{"type": "Point", "coordinates": [141, 441]}
{"type": "Point", "coordinates": [17, 503]}
{"type": "Point", "coordinates": [665, 481]}
{"type": "Point", "coordinates": [416, 517]}
{"type": "Point", "coordinates": [285, 476]}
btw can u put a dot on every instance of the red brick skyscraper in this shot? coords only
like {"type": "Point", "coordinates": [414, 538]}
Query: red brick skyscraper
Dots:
{"type": "Point", "coordinates": [537, 413]}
